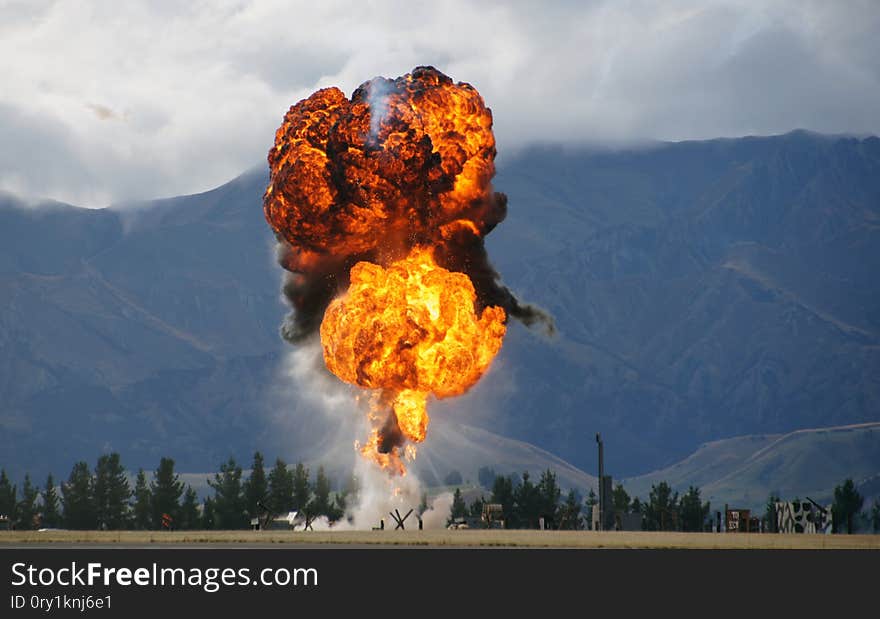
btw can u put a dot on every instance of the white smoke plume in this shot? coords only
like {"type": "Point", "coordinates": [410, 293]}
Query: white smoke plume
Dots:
{"type": "Point", "coordinates": [378, 494]}
{"type": "Point", "coordinates": [378, 102]}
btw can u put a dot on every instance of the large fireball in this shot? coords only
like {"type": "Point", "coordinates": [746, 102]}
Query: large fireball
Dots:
{"type": "Point", "coordinates": [380, 204]}
{"type": "Point", "coordinates": [410, 329]}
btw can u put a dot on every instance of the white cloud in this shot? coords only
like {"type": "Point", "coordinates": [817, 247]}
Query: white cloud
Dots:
{"type": "Point", "coordinates": [108, 101]}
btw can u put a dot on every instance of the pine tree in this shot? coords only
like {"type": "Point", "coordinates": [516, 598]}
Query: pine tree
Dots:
{"type": "Point", "coordinates": [189, 510]}
{"type": "Point", "coordinates": [229, 508]}
{"type": "Point", "coordinates": [321, 500]}
{"type": "Point", "coordinates": [50, 516]}
{"type": "Point", "coordinates": [337, 507]}
{"type": "Point", "coordinates": [549, 496]}
{"type": "Point", "coordinates": [636, 506]}
{"type": "Point", "coordinates": [111, 492]}
{"type": "Point", "coordinates": [476, 508]}
{"type": "Point", "coordinates": [693, 512]}
{"type": "Point", "coordinates": [280, 488]}
{"type": "Point", "coordinates": [528, 502]}
{"type": "Point", "coordinates": [571, 512]}
{"type": "Point", "coordinates": [459, 507]}
{"type": "Point", "coordinates": [208, 518]}
{"type": "Point", "coordinates": [302, 491]}
{"type": "Point", "coordinates": [28, 514]}
{"type": "Point", "coordinates": [662, 508]}
{"type": "Point", "coordinates": [502, 494]}
{"type": "Point", "coordinates": [256, 489]}
{"type": "Point", "coordinates": [165, 491]}
{"type": "Point", "coordinates": [342, 498]}
{"type": "Point", "coordinates": [620, 499]}
{"type": "Point", "coordinates": [77, 498]}
{"type": "Point", "coordinates": [875, 515]}
{"type": "Point", "coordinates": [770, 512]}
{"type": "Point", "coordinates": [847, 503]}
{"type": "Point", "coordinates": [8, 499]}
{"type": "Point", "coordinates": [142, 510]}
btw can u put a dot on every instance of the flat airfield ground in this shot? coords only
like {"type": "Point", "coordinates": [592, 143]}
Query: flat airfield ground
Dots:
{"type": "Point", "coordinates": [437, 539]}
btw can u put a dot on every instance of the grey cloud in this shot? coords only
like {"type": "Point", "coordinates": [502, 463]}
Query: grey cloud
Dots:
{"type": "Point", "coordinates": [202, 91]}
{"type": "Point", "coordinates": [286, 66]}
{"type": "Point", "coordinates": [38, 157]}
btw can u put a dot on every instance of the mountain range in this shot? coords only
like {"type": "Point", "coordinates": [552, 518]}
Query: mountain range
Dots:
{"type": "Point", "coordinates": [702, 291]}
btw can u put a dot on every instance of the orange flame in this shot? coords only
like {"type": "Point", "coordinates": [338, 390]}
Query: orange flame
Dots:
{"type": "Point", "coordinates": [345, 184]}
{"type": "Point", "coordinates": [410, 330]}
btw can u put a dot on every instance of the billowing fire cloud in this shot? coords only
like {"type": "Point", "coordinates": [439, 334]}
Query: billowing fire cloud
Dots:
{"type": "Point", "coordinates": [380, 205]}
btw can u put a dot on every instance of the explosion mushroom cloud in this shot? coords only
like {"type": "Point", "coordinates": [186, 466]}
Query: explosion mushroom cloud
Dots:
{"type": "Point", "coordinates": [380, 205]}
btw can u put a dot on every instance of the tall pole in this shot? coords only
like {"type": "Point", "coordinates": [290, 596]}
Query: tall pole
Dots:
{"type": "Point", "coordinates": [602, 497]}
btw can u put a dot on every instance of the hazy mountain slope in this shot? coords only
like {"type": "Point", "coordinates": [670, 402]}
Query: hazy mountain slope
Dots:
{"type": "Point", "coordinates": [803, 463]}
{"type": "Point", "coordinates": [744, 471]}
{"type": "Point", "coordinates": [204, 265]}
{"type": "Point", "coordinates": [103, 346]}
{"type": "Point", "coordinates": [466, 449]}
{"type": "Point", "coordinates": [703, 289]}
{"type": "Point", "coordinates": [711, 462]}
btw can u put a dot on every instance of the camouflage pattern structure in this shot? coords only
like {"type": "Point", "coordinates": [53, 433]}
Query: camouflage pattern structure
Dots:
{"type": "Point", "coordinates": [803, 517]}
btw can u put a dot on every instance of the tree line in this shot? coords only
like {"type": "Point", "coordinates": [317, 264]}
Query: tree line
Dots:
{"type": "Point", "coordinates": [104, 498]}
{"type": "Point", "coordinates": [524, 503]}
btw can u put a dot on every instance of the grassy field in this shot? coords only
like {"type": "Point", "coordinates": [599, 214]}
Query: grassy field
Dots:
{"type": "Point", "coordinates": [444, 538]}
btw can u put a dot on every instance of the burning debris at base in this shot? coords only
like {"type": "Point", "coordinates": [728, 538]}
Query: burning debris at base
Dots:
{"type": "Point", "coordinates": [380, 205]}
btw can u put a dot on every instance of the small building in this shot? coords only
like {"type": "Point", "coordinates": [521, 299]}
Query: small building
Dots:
{"type": "Point", "coordinates": [493, 516]}
{"type": "Point", "coordinates": [628, 521]}
{"type": "Point", "coordinates": [467, 522]}
{"type": "Point", "coordinates": [738, 520]}
{"type": "Point", "coordinates": [284, 522]}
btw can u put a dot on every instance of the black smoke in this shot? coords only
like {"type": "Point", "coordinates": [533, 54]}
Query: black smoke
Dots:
{"type": "Point", "coordinates": [310, 291]}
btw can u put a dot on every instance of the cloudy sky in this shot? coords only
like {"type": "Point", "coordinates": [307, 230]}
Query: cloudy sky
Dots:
{"type": "Point", "coordinates": [112, 101]}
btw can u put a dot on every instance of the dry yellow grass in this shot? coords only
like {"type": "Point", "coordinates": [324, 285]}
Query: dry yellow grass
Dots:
{"type": "Point", "coordinates": [443, 538]}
